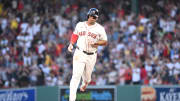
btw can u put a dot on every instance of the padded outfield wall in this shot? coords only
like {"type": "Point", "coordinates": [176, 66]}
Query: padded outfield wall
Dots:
{"type": "Point", "coordinates": [94, 93]}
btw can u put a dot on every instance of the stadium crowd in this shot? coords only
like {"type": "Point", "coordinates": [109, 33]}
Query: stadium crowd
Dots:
{"type": "Point", "coordinates": [143, 48]}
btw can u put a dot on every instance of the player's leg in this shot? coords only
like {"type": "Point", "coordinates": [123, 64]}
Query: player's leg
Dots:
{"type": "Point", "coordinates": [86, 77]}
{"type": "Point", "coordinates": [78, 68]}
{"type": "Point", "coordinates": [84, 81]}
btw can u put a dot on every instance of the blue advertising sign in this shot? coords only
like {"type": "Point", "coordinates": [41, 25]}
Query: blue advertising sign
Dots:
{"type": "Point", "coordinates": [17, 95]}
{"type": "Point", "coordinates": [91, 94]}
{"type": "Point", "coordinates": [160, 93]}
{"type": "Point", "coordinates": [168, 94]}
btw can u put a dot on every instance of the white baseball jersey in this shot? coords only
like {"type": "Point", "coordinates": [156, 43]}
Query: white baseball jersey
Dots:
{"type": "Point", "coordinates": [88, 35]}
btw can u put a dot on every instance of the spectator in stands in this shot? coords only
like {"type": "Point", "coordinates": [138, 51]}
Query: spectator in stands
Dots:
{"type": "Point", "coordinates": [34, 37]}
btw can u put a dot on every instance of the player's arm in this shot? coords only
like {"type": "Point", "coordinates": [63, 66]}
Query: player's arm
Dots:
{"type": "Point", "coordinates": [73, 40]}
{"type": "Point", "coordinates": [101, 43]}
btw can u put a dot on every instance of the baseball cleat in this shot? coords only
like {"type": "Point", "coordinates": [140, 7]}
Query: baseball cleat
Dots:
{"type": "Point", "coordinates": [83, 87]}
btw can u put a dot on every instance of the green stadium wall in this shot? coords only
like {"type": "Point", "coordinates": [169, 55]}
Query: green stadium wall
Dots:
{"type": "Point", "coordinates": [119, 93]}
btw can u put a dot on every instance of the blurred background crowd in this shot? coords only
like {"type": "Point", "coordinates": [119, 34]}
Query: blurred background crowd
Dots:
{"type": "Point", "coordinates": [143, 48]}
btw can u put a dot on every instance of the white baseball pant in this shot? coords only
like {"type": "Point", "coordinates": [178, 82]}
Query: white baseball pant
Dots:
{"type": "Point", "coordinates": [83, 66]}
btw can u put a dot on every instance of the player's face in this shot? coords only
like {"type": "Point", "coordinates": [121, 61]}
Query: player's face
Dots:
{"type": "Point", "coordinates": [93, 19]}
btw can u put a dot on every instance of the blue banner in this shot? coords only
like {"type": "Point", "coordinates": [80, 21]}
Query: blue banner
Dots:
{"type": "Point", "coordinates": [17, 95]}
{"type": "Point", "coordinates": [149, 93]}
{"type": "Point", "coordinates": [168, 94]}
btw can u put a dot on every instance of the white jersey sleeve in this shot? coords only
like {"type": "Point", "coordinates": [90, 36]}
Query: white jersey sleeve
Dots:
{"type": "Point", "coordinates": [103, 35]}
{"type": "Point", "coordinates": [76, 30]}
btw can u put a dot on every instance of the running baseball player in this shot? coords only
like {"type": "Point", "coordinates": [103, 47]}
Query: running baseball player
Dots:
{"type": "Point", "coordinates": [88, 35]}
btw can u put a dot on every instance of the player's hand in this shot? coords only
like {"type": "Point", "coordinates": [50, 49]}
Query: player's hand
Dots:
{"type": "Point", "coordinates": [94, 45]}
{"type": "Point", "coordinates": [70, 47]}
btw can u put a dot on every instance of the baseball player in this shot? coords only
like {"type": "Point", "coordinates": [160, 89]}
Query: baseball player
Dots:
{"type": "Point", "coordinates": [88, 35]}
